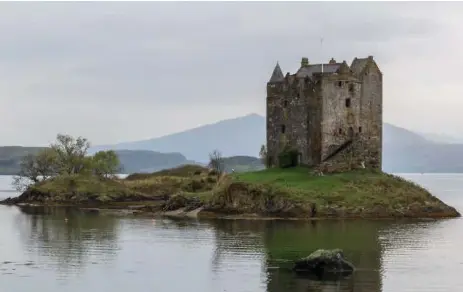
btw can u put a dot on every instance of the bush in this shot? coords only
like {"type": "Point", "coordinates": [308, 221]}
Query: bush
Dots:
{"type": "Point", "coordinates": [288, 158]}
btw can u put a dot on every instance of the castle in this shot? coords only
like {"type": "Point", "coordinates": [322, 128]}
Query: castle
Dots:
{"type": "Point", "coordinates": [330, 114]}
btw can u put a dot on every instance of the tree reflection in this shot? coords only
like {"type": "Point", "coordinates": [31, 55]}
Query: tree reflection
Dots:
{"type": "Point", "coordinates": [68, 238]}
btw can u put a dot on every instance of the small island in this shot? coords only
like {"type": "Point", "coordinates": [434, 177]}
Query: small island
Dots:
{"type": "Point", "coordinates": [69, 177]}
{"type": "Point", "coordinates": [323, 158]}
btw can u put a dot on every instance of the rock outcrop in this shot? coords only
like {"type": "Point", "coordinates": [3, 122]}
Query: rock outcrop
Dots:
{"type": "Point", "coordinates": [324, 261]}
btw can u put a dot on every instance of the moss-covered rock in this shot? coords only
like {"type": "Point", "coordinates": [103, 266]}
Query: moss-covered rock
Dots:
{"type": "Point", "coordinates": [324, 261]}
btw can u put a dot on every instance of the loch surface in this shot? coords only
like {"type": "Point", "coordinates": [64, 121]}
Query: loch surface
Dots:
{"type": "Point", "coordinates": [57, 250]}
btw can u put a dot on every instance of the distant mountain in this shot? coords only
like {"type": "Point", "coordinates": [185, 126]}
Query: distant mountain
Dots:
{"type": "Point", "coordinates": [442, 138]}
{"type": "Point", "coordinates": [131, 160]}
{"type": "Point", "coordinates": [149, 161]}
{"type": "Point", "coordinates": [240, 139]}
{"type": "Point", "coordinates": [403, 150]}
{"type": "Point", "coordinates": [10, 157]}
{"type": "Point", "coordinates": [239, 136]}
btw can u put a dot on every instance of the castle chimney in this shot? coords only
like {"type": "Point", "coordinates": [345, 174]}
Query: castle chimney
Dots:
{"type": "Point", "coordinates": [370, 58]}
{"type": "Point", "coordinates": [332, 61]}
{"type": "Point", "coordinates": [304, 62]}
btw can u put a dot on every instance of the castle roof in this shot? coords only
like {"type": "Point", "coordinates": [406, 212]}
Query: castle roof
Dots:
{"type": "Point", "coordinates": [358, 65]}
{"type": "Point", "coordinates": [308, 71]}
{"type": "Point", "coordinates": [277, 74]}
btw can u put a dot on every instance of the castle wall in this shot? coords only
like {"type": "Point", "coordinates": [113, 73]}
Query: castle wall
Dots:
{"type": "Point", "coordinates": [372, 114]}
{"type": "Point", "coordinates": [316, 113]}
{"type": "Point", "coordinates": [340, 112]}
{"type": "Point", "coordinates": [313, 94]}
{"type": "Point", "coordinates": [286, 107]}
{"type": "Point", "coordinates": [274, 120]}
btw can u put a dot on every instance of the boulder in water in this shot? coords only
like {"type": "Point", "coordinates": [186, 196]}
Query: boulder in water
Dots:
{"type": "Point", "coordinates": [324, 261]}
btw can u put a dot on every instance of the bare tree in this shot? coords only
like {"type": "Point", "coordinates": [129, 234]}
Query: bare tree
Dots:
{"type": "Point", "coordinates": [35, 168]}
{"type": "Point", "coordinates": [216, 161]}
{"type": "Point", "coordinates": [263, 155]}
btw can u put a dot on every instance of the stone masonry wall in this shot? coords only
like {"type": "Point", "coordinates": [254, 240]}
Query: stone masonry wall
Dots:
{"type": "Point", "coordinates": [274, 93]}
{"type": "Point", "coordinates": [286, 108]}
{"type": "Point", "coordinates": [313, 93]}
{"type": "Point", "coordinates": [371, 113]}
{"type": "Point", "coordinates": [341, 112]}
{"type": "Point", "coordinates": [296, 116]}
{"type": "Point", "coordinates": [348, 159]}
{"type": "Point", "coordinates": [312, 116]}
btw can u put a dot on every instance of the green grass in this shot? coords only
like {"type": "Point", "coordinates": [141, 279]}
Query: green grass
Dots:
{"type": "Point", "coordinates": [361, 188]}
{"type": "Point", "coordinates": [82, 187]}
{"type": "Point", "coordinates": [291, 191]}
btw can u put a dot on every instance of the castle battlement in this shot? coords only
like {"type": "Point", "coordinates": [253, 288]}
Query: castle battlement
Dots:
{"type": "Point", "coordinates": [331, 114]}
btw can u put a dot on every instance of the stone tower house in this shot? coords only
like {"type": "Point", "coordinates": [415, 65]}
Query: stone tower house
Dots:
{"type": "Point", "coordinates": [331, 114]}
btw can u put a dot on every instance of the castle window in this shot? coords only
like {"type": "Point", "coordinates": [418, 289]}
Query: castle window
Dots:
{"type": "Point", "coordinates": [340, 131]}
{"type": "Point", "coordinates": [351, 132]}
{"type": "Point", "coordinates": [340, 83]}
{"type": "Point", "coordinates": [360, 129]}
{"type": "Point", "coordinates": [347, 102]}
{"type": "Point", "coordinates": [285, 103]}
{"type": "Point", "coordinates": [283, 129]}
{"type": "Point", "coordinates": [351, 88]}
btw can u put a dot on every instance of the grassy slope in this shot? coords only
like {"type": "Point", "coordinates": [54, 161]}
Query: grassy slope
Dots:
{"type": "Point", "coordinates": [359, 193]}
{"type": "Point", "coordinates": [353, 188]}
{"type": "Point", "coordinates": [276, 192]}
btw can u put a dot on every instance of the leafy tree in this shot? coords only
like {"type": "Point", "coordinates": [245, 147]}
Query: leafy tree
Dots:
{"type": "Point", "coordinates": [71, 154]}
{"type": "Point", "coordinates": [67, 156]}
{"type": "Point", "coordinates": [105, 163]}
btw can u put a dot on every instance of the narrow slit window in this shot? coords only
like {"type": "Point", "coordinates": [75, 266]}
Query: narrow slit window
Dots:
{"type": "Point", "coordinates": [348, 102]}
{"type": "Point", "coordinates": [285, 103]}
{"type": "Point", "coordinates": [360, 129]}
{"type": "Point", "coordinates": [283, 129]}
{"type": "Point", "coordinates": [351, 88]}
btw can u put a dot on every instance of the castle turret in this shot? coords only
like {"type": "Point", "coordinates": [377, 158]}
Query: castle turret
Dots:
{"type": "Point", "coordinates": [277, 75]}
{"type": "Point", "coordinates": [304, 62]}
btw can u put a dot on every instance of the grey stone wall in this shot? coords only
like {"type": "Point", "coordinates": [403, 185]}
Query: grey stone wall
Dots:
{"type": "Point", "coordinates": [372, 113]}
{"type": "Point", "coordinates": [286, 107]}
{"type": "Point", "coordinates": [341, 111]}
{"type": "Point", "coordinates": [317, 119]}
{"type": "Point", "coordinates": [313, 93]}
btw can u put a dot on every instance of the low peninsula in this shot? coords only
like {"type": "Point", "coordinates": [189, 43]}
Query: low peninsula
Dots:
{"type": "Point", "coordinates": [195, 191]}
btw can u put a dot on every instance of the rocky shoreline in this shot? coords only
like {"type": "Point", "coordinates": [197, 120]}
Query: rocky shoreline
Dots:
{"type": "Point", "coordinates": [270, 194]}
{"type": "Point", "coordinates": [182, 207]}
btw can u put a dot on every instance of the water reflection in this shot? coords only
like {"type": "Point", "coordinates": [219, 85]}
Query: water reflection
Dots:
{"type": "Point", "coordinates": [71, 239]}
{"type": "Point", "coordinates": [364, 243]}
{"type": "Point", "coordinates": [226, 255]}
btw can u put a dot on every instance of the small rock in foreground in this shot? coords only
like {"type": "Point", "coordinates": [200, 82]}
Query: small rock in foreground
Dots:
{"type": "Point", "coordinates": [324, 261]}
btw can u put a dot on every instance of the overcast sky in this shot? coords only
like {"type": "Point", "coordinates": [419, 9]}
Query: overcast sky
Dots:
{"type": "Point", "coordinates": [119, 71]}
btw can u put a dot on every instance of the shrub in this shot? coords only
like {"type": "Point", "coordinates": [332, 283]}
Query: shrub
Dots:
{"type": "Point", "coordinates": [288, 158]}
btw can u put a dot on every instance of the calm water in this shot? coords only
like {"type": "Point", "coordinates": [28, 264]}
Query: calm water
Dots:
{"type": "Point", "coordinates": [40, 251]}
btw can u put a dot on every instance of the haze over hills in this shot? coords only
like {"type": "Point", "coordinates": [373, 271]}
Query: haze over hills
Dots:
{"type": "Point", "coordinates": [403, 150]}
{"type": "Point", "coordinates": [239, 136]}
{"type": "Point", "coordinates": [240, 139]}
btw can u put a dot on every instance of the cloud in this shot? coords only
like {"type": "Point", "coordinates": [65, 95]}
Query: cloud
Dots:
{"type": "Point", "coordinates": [103, 69]}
